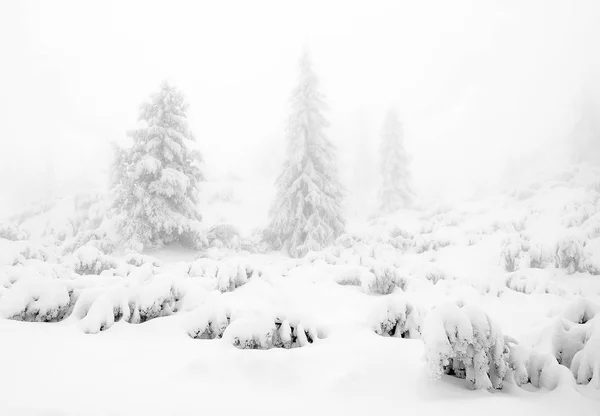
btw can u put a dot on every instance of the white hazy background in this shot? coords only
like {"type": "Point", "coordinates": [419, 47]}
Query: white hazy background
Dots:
{"type": "Point", "coordinates": [484, 88]}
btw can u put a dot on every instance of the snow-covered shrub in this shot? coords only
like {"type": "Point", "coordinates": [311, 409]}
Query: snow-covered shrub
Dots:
{"type": "Point", "coordinates": [540, 255]}
{"type": "Point", "coordinates": [99, 310]}
{"type": "Point", "coordinates": [251, 332]}
{"type": "Point", "coordinates": [232, 274]}
{"type": "Point", "coordinates": [93, 238]}
{"type": "Point", "coordinates": [592, 257]}
{"type": "Point", "coordinates": [37, 300]}
{"type": "Point", "coordinates": [396, 318]}
{"type": "Point", "coordinates": [203, 267]}
{"type": "Point", "coordinates": [385, 280]}
{"type": "Point", "coordinates": [573, 341]}
{"type": "Point", "coordinates": [400, 239]}
{"type": "Point", "coordinates": [425, 243]}
{"type": "Point", "coordinates": [533, 281]}
{"type": "Point", "coordinates": [137, 260]}
{"type": "Point", "coordinates": [292, 333]}
{"type": "Point", "coordinates": [570, 254]}
{"type": "Point", "coordinates": [586, 362]}
{"type": "Point", "coordinates": [466, 343]}
{"type": "Point", "coordinates": [514, 254]}
{"type": "Point", "coordinates": [90, 260]}
{"type": "Point", "coordinates": [517, 361]}
{"type": "Point", "coordinates": [353, 276]}
{"type": "Point", "coordinates": [157, 297]}
{"type": "Point", "coordinates": [432, 273]}
{"type": "Point", "coordinates": [545, 372]}
{"type": "Point", "coordinates": [13, 232]}
{"type": "Point", "coordinates": [263, 332]}
{"type": "Point", "coordinates": [208, 322]}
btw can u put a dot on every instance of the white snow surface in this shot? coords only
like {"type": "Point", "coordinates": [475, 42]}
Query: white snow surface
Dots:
{"type": "Point", "coordinates": [351, 329]}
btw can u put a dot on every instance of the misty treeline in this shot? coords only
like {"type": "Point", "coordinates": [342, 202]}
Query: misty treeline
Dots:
{"type": "Point", "coordinates": [155, 182]}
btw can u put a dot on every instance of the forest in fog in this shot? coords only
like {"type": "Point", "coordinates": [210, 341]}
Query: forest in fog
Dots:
{"type": "Point", "coordinates": [327, 207]}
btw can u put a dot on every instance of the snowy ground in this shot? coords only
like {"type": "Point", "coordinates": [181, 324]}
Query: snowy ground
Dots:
{"type": "Point", "coordinates": [121, 334]}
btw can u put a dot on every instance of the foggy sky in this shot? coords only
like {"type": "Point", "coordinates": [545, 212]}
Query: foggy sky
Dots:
{"type": "Point", "coordinates": [477, 83]}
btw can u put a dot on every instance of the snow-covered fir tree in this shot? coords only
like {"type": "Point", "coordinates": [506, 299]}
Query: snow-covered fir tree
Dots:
{"type": "Point", "coordinates": [395, 190]}
{"type": "Point", "coordinates": [306, 214]}
{"type": "Point", "coordinates": [156, 181]}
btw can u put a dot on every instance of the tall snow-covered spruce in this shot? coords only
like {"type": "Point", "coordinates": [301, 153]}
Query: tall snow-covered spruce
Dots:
{"type": "Point", "coordinates": [306, 214]}
{"type": "Point", "coordinates": [156, 189]}
{"type": "Point", "coordinates": [395, 191]}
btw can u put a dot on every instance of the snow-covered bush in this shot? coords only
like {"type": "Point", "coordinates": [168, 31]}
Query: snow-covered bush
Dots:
{"type": "Point", "coordinates": [252, 333]}
{"type": "Point", "coordinates": [292, 333]}
{"type": "Point", "coordinates": [208, 321]}
{"type": "Point", "coordinates": [573, 341]}
{"type": "Point", "coordinates": [353, 276]}
{"type": "Point", "coordinates": [93, 238]}
{"type": "Point", "coordinates": [570, 254]}
{"type": "Point", "coordinates": [137, 260]}
{"type": "Point", "coordinates": [530, 281]}
{"type": "Point", "coordinates": [396, 318]}
{"type": "Point", "coordinates": [98, 310]}
{"type": "Point", "coordinates": [466, 343]}
{"type": "Point", "coordinates": [37, 300]}
{"type": "Point", "coordinates": [13, 232]}
{"type": "Point", "coordinates": [232, 274]}
{"type": "Point", "coordinates": [424, 242]}
{"type": "Point", "coordinates": [159, 296]}
{"type": "Point", "coordinates": [586, 362]}
{"type": "Point", "coordinates": [432, 273]}
{"type": "Point", "coordinates": [203, 267]}
{"type": "Point", "coordinates": [514, 254]}
{"type": "Point", "coordinates": [540, 255]}
{"type": "Point", "coordinates": [261, 331]}
{"type": "Point", "coordinates": [385, 280]}
{"type": "Point", "coordinates": [90, 260]}
{"type": "Point", "coordinates": [517, 362]}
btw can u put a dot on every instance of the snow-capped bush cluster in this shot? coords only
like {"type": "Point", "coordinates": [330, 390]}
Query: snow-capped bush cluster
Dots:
{"type": "Point", "coordinates": [463, 341]}
{"type": "Point", "coordinates": [37, 300]}
{"type": "Point", "coordinates": [570, 254]}
{"type": "Point", "coordinates": [397, 317]}
{"type": "Point", "coordinates": [249, 329]}
{"type": "Point", "coordinates": [229, 274]}
{"type": "Point", "coordinates": [385, 279]}
{"type": "Point", "coordinates": [209, 321]}
{"type": "Point", "coordinates": [262, 332]}
{"type": "Point", "coordinates": [90, 260]}
{"type": "Point", "coordinates": [426, 242]}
